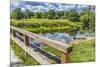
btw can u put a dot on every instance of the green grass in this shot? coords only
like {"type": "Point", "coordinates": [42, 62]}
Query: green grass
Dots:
{"type": "Point", "coordinates": [48, 29]}
{"type": "Point", "coordinates": [36, 23]}
{"type": "Point", "coordinates": [20, 53]}
{"type": "Point", "coordinates": [83, 52]}
{"type": "Point", "coordinates": [52, 50]}
{"type": "Point", "coordinates": [47, 25]}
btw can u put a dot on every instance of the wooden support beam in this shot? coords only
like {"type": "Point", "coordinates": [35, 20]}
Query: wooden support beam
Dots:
{"type": "Point", "coordinates": [65, 57]}
{"type": "Point", "coordinates": [26, 40]}
{"type": "Point", "coordinates": [14, 33]}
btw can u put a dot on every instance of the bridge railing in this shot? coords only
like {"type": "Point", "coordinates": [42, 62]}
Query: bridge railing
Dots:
{"type": "Point", "coordinates": [64, 48]}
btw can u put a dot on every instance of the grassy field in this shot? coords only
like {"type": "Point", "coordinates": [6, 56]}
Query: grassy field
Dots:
{"type": "Point", "coordinates": [34, 23]}
{"type": "Point", "coordinates": [83, 52]}
{"type": "Point", "coordinates": [47, 25]}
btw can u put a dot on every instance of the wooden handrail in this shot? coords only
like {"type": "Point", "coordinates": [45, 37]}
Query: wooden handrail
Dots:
{"type": "Point", "coordinates": [62, 47]}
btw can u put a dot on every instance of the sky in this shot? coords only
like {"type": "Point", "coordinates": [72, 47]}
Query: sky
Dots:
{"type": "Point", "coordinates": [45, 6]}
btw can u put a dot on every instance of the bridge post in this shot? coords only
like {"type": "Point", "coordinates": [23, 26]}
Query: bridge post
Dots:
{"type": "Point", "coordinates": [26, 41]}
{"type": "Point", "coordinates": [14, 33]}
{"type": "Point", "coordinates": [65, 57]}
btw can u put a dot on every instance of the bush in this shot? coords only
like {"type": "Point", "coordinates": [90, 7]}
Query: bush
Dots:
{"type": "Point", "coordinates": [56, 17]}
{"type": "Point", "coordinates": [63, 17]}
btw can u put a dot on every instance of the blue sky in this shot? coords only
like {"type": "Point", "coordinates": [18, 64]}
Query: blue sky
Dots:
{"type": "Point", "coordinates": [44, 6]}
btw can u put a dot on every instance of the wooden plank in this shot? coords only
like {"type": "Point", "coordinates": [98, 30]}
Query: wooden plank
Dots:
{"type": "Point", "coordinates": [26, 40]}
{"type": "Point", "coordinates": [65, 58]}
{"type": "Point", "coordinates": [31, 52]}
{"type": "Point", "coordinates": [53, 43]}
{"type": "Point", "coordinates": [14, 33]}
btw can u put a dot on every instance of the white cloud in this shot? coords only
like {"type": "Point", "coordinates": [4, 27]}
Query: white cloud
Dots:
{"type": "Point", "coordinates": [44, 6]}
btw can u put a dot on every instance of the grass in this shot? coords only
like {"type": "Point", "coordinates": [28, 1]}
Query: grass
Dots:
{"type": "Point", "coordinates": [20, 53]}
{"type": "Point", "coordinates": [48, 29]}
{"type": "Point", "coordinates": [52, 50]}
{"type": "Point", "coordinates": [36, 23]}
{"type": "Point", "coordinates": [83, 52]}
{"type": "Point", "coordinates": [47, 25]}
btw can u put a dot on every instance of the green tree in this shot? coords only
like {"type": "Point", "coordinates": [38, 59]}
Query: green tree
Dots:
{"type": "Point", "coordinates": [44, 15]}
{"type": "Point", "coordinates": [73, 15]}
{"type": "Point", "coordinates": [51, 14]}
{"type": "Point", "coordinates": [28, 14]}
{"type": "Point", "coordinates": [88, 21]}
{"type": "Point", "coordinates": [61, 14]}
{"type": "Point", "coordinates": [56, 17]}
{"type": "Point", "coordinates": [17, 14]}
{"type": "Point", "coordinates": [38, 15]}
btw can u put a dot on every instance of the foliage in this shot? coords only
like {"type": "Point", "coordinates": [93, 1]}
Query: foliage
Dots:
{"type": "Point", "coordinates": [83, 52]}
{"type": "Point", "coordinates": [34, 23]}
{"type": "Point", "coordinates": [17, 14]}
{"type": "Point", "coordinates": [51, 14]}
{"type": "Point", "coordinates": [56, 17]}
{"type": "Point", "coordinates": [38, 15]}
{"type": "Point", "coordinates": [28, 14]}
{"type": "Point", "coordinates": [88, 20]}
{"type": "Point", "coordinates": [45, 25]}
{"type": "Point", "coordinates": [73, 15]}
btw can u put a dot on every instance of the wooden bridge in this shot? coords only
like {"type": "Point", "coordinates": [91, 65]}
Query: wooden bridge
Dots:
{"type": "Point", "coordinates": [36, 52]}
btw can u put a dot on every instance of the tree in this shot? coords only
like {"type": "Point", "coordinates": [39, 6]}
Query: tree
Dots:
{"type": "Point", "coordinates": [51, 14]}
{"type": "Point", "coordinates": [44, 15]}
{"type": "Point", "coordinates": [88, 21]}
{"type": "Point", "coordinates": [38, 15]}
{"type": "Point", "coordinates": [60, 14]}
{"type": "Point", "coordinates": [56, 17]}
{"type": "Point", "coordinates": [17, 14]}
{"type": "Point", "coordinates": [27, 14]}
{"type": "Point", "coordinates": [73, 15]}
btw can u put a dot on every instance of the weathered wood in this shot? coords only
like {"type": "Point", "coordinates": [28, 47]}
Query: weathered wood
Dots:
{"type": "Point", "coordinates": [53, 43]}
{"type": "Point", "coordinates": [14, 33]}
{"type": "Point", "coordinates": [65, 57]}
{"type": "Point", "coordinates": [26, 40]}
{"type": "Point", "coordinates": [38, 57]}
{"type": "Point", "coordinates": [64, 48]}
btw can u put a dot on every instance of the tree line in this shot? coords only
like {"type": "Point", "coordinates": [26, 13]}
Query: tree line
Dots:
{"type": "Point", "coordinates": [87, 17]}
{"type": "Point", "coordinates": [72, 15]}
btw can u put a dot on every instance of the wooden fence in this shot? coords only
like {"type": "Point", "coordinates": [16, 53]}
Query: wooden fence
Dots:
{"type": "Point", "coordinates": [64, 48]}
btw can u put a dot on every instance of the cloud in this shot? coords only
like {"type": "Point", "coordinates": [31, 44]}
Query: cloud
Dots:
{"type": "Point", "coordinates": [42, 6]}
